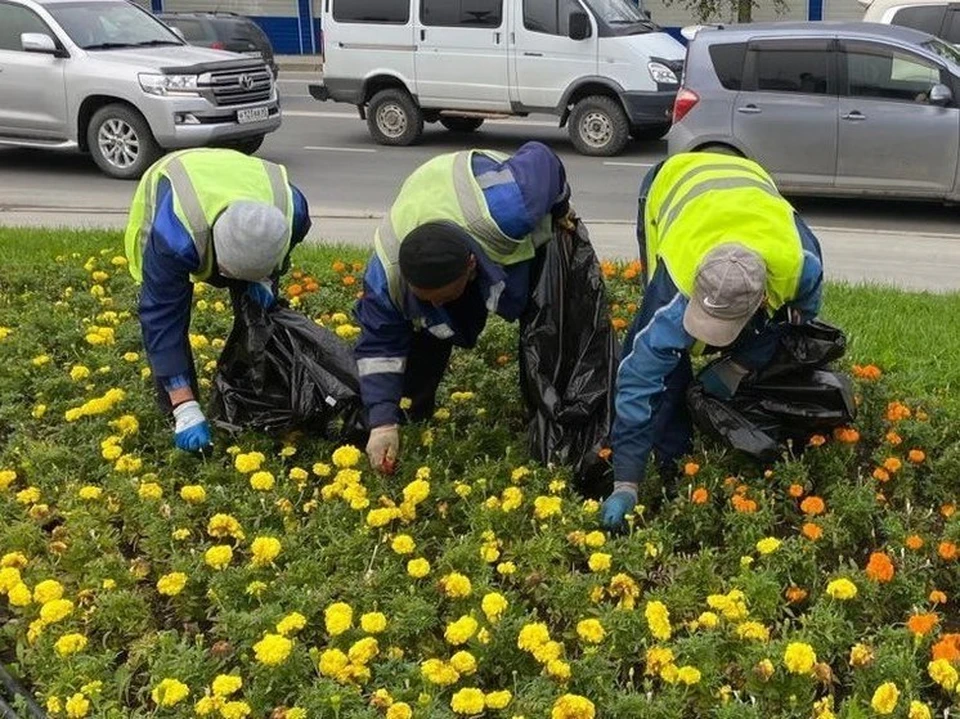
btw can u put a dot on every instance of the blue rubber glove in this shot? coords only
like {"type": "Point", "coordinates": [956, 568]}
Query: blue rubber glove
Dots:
{"type": "Point", "coordinates": [722, 378]}
{"type": "Point", "coordinates": [618, 505]}
{"type": "Point", "coordinates": [261, 293]}
{"type": "Point", "coordinates": [192, 433]}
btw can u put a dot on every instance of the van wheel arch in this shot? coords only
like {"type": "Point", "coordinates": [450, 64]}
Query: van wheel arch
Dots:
{"type": "Point", "coordinates": [89, 108]}
{"type": "Point", "coordinates": [721, 148]}
{"type": "Point", "coordinates": [588, 88]}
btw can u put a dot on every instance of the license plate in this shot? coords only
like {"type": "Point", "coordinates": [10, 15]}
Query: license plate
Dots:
{"type": "Point", "coordinates": [253, 114]}
{"type": "Point", "coordinates": [254, 53]}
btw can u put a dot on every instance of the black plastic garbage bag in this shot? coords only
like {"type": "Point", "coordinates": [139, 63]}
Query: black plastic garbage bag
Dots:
{"type": "Point", "coordinates": [280, 371]}
{"type": "Point", "coordinates": [795, 396]}
{"type": "Point", "coordinates": [568, 356]}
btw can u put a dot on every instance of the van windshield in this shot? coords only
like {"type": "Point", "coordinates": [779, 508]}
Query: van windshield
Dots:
{"type": "Point", "coordinates": [109, 25]}
{"type": "Point", "coordinates": [621, 15]}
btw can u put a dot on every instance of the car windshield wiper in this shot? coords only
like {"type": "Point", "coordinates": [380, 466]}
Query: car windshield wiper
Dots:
{"type": "Point", "coordinates": [107, 46]}
{"type": "Point", "coordinates": [157, 43]}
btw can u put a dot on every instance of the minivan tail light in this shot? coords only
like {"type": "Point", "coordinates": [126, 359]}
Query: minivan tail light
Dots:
{"type": "Point", "coordinates": [685, 102]}
{"type": "Point", "coordinates": [217, 45]}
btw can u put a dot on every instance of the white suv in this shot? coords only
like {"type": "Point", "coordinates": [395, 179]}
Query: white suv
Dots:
{"type": "Point", "coordinates": [936, 17]}
{"type": "Point", "coordinates": [105, 77]}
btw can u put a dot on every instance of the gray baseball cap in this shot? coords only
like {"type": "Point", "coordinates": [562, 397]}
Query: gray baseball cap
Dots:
{"type": "Point", "coordinates": [250, 240]}
{"type": "Point", "coordinates": [729, 288]}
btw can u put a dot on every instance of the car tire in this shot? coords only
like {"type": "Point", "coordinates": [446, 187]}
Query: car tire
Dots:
{"type": "Point", "coordinates": [649, 133]}
{"type": "Point", "coordinates": [462, 124]}
{"type": "Point", "coordinates": [721, 149]}
{"type": "Point", "coordinates": [121, 143]}
{"type": "Point", "coordinates": [393, 118]}
{"type": "Point", "coordinates": [247, 146]}
{"type": "Point", "coordinates": [599, 126]}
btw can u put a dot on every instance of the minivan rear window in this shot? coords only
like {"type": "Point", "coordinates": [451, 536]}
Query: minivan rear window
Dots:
{"type": "Point", "coordinates": [396, 12]}
{"type": "Point", "coordinates": [461, 13]}
{"type": "Point", "coordinates": [927, 18]}
{"type": "Point", "coordinates": [728, 63]}
{"type": "Point", "coordinates": [789, 70]}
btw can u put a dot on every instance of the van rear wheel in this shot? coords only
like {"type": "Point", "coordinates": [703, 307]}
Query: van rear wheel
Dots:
{"type": "Point", "coordinates": [461, 124]}
{"type": "Point", "coordinates": [393, 118]}
{"type": "Point", "coordinates": [599, 126]}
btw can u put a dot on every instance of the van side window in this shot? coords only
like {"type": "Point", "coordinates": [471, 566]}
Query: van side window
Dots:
{"type": "Point", "coordinates": [885, 73]}
{"type": "Point", "coordinates": [927, 18]}
{"type": "Point", "coordinates": [951, 30]}
{"type": "Point", "coordinates": [15, 20]}
{"type": "Point", "coordinates": [461, 13]}
{"type": "Point", "coordinates": [551, 17]}
{"type": "Point", "coordinates": [728, 63]}
{"type": "Point", "coordinates": [792, 70]}
{"type": "Point", "coordinates": [394, 12]}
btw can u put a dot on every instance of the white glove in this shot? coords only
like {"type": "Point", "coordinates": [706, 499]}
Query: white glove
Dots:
{"type": "Point", "coordinates": [192, 433]}
{"type": "Point", "coordinates": [383, 447]}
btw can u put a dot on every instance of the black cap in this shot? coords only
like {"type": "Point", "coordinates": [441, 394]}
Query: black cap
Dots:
{"type": "Point", "coordinates": [434, 255]}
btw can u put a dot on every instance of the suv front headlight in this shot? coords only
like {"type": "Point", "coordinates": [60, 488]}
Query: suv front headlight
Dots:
{"type": "Point", "coordinates": [166, 85]}
{"type": "Point", "coordinates": [662, 74]}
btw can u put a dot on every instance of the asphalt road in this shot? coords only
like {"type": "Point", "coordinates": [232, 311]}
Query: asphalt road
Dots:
{"type": "Point", "coordinates": [349, 182]}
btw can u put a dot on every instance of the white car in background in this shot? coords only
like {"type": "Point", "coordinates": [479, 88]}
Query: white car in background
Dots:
{"type": "Point", "coordinates": [936, 17]}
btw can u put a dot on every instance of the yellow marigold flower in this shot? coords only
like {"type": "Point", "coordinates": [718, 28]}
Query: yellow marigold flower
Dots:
{"type": "Point", "coordinates": [346, 456]}
{"type": "Point", "coordinates": [30, 495]}
{"type": "Point", "coordinates": [754, 631]}
{"type": "Point", "coordinates": [347, 331]}
{"type": "Point", "coordinates": [590, 631]}
{"type": "Point", "coordinates": [382, 516]}
{"type": "Point", "coordinates": [460, 631]}
{"type": "Point", "coordinates": [262, 481]}
{"type": "Point", "coordinates": [172, 584]}
{"type": "Point", "coordinates": [842, 589]}
{"type": "Point", "coordinates": [399, 710]}
{"type": "Point", "coordinates": [296, 713]}
{"type": "Point", "coordinates": [860, 655]}
{"type": "Point", "coordinates": [235, 710]}
{"type": "Point", "coordinates": [321, 469]}
{"type": "Point", "coordinates": [126, 425]}
{"type": "Point", "coordinates": [38, 411]}
{"type": "Point", "coordinates": [943, 673]}
{"type": "Point", "coordinates": [332, 663]}
{"type": "Point", "coordinates": [732, 604]}
{"type": "Point", "coordinates": [439, 672]}
{"type": "Point", "coordinates": [298, 475]}
{"type": "Point", "coordinates": [548, 651]}
{"type": "Point", "coordinates": [338, 618]}
{"type": "Point", "coordinates": [219, 556]}
{"type": "Point", "coordinates": [559, 669]}
{"type": "Point", "coordinates": [403, 544]}
{"type": "Point", "coordinates": [656, 659]}
{"type": "Point", "coordinates": [658, 619]}
{"type": "Point", "coordinates": [688, 675]}
{"type": "Point", "coordinates": [919, 710]}
{"type": "Point", "coordinates": [494, 605]}
{"type": "Point", "coordinates": [249, 462]}
{"type": "Point", "coordinates": [418, 568]}
{"type": "Point", "coordinates": [416, 492]}
{"type": "Point", "coordinates": [47, 591]}
{"type": "Point", "coordinates": [7, 477]}
{"type": "Point", "coordinates": [799, 658]}
{"type": "Point", "coordinates": [545, 507]}
{"type": "Point", "coordinates": [468, 701]}
{"type": "Point", "coordinates": [40, 360]}
{"type": "Point", "coordinates": [373, 622]}
{"type": "Point", "coordinates": [291, 624]}
{"type": "Point", "coordinates": [573, 706]}
{"type": "Point", "coordinates": [111, 452]}
{"type": "Point", "coordinates": [169, 692]}
{"type": "Point", "coordinates": [226, 684]}
{"type": "Point", "coordinates": [17, 560]}
{"type": "Point", "coordinates": [708, 620]}
{"type": "Point", "coordinates": [363, 650]}
{"type": "Point", "coordinates": [510, 499]}
{"type": "Point", "coordinates": [180, 534]}
{"type": "Point", "coordinates": [77, 706]}
{"type": "Point", "coordinates": [53, 705]}
{"type": "Point", "coordinates": [148, 490]}
{"type": "Point", "coordinates": [532, 636]}
{"type": "Point", "coordinates": [885, 698]}
{"type": "Point", "coordinates": [464, 662]}
{"type": "Point", "coordinates": [599, 562]}
{"type": "Point", "coordinates": [456, 585]}
{"type": "Point", "coordinates": [506, 568]}
{"type": "Point", "coordinates": [498, 700]}
{"type": "Point", "coordinates": [89, 493]}
{"type": "Point", "coordinates": [273, 649]}
{"type": "Point", "coordinates": [193, 493]}
{"type": "Point", "coordinates": [70, 644]}
{"type": "Point", "coordinates": [264, 550]}
{"type": "Point", "coordinates": [595, 539]}
{"type": "Point", "coordinates": [768, 545]}
{"type": "Point", "coordinates": [223, 525]}
{"type": "Point", "coordinates": [9, 578]}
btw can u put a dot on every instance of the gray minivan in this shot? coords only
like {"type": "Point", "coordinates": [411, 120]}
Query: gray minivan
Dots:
{"type": "Point", "coordinates": [845, 109]}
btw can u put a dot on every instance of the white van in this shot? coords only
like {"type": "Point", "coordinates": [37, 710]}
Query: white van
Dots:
{"type": "Point", "coordinates": [601, 65]}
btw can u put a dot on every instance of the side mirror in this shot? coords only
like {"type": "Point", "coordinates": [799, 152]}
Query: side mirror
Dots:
{"type": "Point", "coordinates": [178, 32]}
{"type": "Point", "coordinates": [941, 95]}
{"type": "Point", "coordinates": [38, 42]}
{"type": "Point", "coordinates": [579, 26]}
{"type": "Point", "coordinates": [646, 14]}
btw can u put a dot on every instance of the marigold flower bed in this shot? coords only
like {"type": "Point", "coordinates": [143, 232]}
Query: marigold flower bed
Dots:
{"type": "Point", "coordinates": [279, 577]}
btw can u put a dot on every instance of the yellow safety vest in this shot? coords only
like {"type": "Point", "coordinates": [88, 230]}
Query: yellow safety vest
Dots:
{"type": "Point", "coordinates": [445, 190]}
{"type": "Point", "coordinates": [204, 182]}
{"type": "Point", "coordinates": [700, 200]}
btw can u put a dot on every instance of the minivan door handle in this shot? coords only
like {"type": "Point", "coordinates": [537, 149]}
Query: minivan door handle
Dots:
{"type": "Point", "coordinates": [423, 35]}
{"type": "Point", "coordinates": [854, 116]}
{"type": "Point", "coordinates": [496, 37]}
{"type": "Point", "coordinates": [533, 54]}
{"type": "Point", "coordinates": [749, 110]}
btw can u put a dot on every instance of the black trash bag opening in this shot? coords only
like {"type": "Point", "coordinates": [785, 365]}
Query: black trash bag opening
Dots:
{"type": "Point", "coordinates": [568, 358]}
{"type": "Point", "coordinates": [794, 397]}
{"type": "Point", "coordinates": [279, 371]}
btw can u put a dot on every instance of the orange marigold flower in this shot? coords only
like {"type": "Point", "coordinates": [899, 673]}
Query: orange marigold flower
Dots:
{"type": "Point", "coordinates": [700, 496]}
{"type": "Point", "coordinates": [618, 323]}
{"type": "Point", "coordinates": [813, 506]}
{"type": "Point", "coordinates": [691, 468]}
{"type": "Point", "coordinates": [296, 274]}
{"type": "Point", "coordinates": [729, 481]}
{"type": "Point", "coordinates": [880, 567]}
{"type": "Point", "coordinates": [947, 648]}
{"type": "Point", "coordinates": [914, 542]}
{"type": "Point", "coordinates": [795, 594]}
{"type": "Point", "coordinates": [817, 440]}
{"type": "Point", "coordinates": [922, 624]}
{"type": "Point", "coordinates": [630, 273]}
{"type": "Point", "coordinates": [948, 509]}
{"type": "Point", "coordinates": [339, 266]}
{"type": "Point", "coordinates": [312, 286]}
{"type": "Point", "coordinates": [847, 435]}
{"type": "Point", "coordinates": [744, 506]}
{"type": "Point", "coordinates": [894, 438]}
{"type": "Point", "coordinates": [608, 268]}
{"type": "Point", "coordinates": [742, 489]}
{"type": "Point", "coordinates": [812, 531]}
{"type": "Point", "coordinates": [605, 453]}
{"type": "Point", "coordinates": [937, 597]}
{"type": "Point", "coordinates": [892, 465]}
{"type": "Point", "coordinates": [897, 411]}
{"type": "Point", "coordinates": [869, 373]}
{"type": "Point", "coordinates": [357, 266]}
{"type": "Point", "coordinates": [881, 475]}
{"type": "Point", "coordinates": [349, 280]}
{"type": "Point", "coordinates": [503, 359]}
{"type": "Point", "coordinates": [916, 456]}
{"type": "Point", "coordinates": [795, 491]}
{"type": "Point", "coordinates": [294, 290]}
{"type": "Point", "coordinates": [947, 551]}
